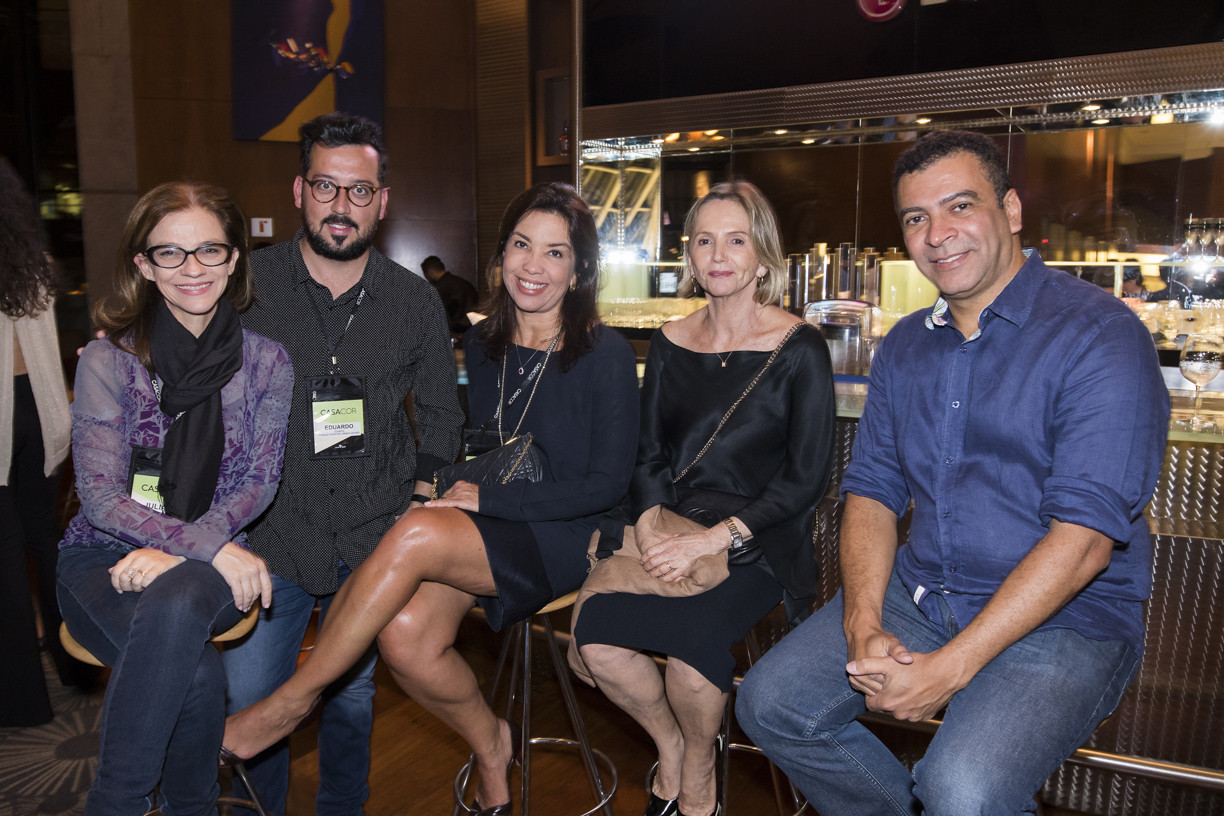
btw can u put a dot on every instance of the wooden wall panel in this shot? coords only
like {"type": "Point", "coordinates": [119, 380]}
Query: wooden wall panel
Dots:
{"type": "Point", "coordinates": [177, 98]}
{"type": "Point", "coordinates": [105, 126]}
{"type": "Point", "coordinates": [502, 113]}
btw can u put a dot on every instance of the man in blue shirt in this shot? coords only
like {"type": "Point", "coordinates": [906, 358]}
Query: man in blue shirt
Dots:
{"type": "Point", "coordinates": [1024, 416]}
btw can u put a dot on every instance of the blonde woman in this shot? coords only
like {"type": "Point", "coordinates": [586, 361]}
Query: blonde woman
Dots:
{"type": "Point", "coordinates": [755, 487]}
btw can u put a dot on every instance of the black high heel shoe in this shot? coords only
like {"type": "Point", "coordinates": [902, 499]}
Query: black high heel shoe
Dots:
{"type": "Point", "coordinates": [516, 758]}
{"type": "Point", "coordinates": [228, 759]}
{"type": "Point", "coordinates": [658, 806]}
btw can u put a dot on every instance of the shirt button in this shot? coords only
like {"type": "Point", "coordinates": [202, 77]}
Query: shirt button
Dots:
{"type": "Point", "coordinates": [952, 569]}
{"type": "Point", "coordinates": [956, 403]}
{"type": "Point", "coordinates": [964, 349]}
{"type": "Point", "coordinates": [947, 514]}
{"type": "Point", "coordinates": [948, 461]}
{"type": "Point", "coordinates": [331, 490]}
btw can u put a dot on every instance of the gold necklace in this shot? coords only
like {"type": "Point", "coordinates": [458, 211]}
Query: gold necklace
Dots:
{"type": "Point", "coordinates": [735, 348]}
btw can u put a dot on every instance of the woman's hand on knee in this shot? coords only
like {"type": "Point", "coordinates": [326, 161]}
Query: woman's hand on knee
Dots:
{"type": "Point", "coordinates": [139, 568]}
{"type": "Point", "coordinates": [246, 574]}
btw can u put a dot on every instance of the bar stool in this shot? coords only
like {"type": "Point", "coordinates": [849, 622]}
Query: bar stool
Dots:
{"type": "Point", "coordinates": [787, 798]}
{"type": "Point", "coordinates": [519, 638]}
{"type": "Point", "coordinates": [233, 633]}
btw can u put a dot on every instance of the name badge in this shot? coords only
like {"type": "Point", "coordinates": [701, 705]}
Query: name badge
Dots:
{"type": "Point", "coordinates": [337, 415]}
{"type": "Point", "coordinates": [144, 476]}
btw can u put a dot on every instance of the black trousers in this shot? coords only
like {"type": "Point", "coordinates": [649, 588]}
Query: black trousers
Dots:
{"type": "Point", "coordinates": [27, 525]}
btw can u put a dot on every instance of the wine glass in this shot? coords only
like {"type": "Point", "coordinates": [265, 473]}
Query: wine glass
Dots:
{"type": "Point", "coordinates": [1207, 241]}
{"type": "Point", "coordinates": [1201, 360]}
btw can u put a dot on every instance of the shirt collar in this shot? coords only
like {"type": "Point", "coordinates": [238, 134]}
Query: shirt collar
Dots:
{"type": "Point", "coordinates": [1013, 304]}
{"type": "Point", "coordinates": [371, 276]}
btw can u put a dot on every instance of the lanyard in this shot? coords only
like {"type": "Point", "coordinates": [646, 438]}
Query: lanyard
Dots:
{"type": "Point", "coordinates": [157, 389]}
{"type": "Point", "coordinates": [333, 349]}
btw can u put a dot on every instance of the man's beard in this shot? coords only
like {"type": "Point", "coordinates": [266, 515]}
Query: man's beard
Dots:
{"type": "Point", "coordinates": [323, 243]}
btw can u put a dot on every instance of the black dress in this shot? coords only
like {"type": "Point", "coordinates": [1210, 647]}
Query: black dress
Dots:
{"type": "Point", "coordinates": [777, 448]}
{"type": "Point", "coordinates": [585, 423]}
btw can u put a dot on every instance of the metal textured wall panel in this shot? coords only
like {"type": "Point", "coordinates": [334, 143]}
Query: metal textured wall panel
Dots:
{"type": "Point", "coordinates": [1106, 76]}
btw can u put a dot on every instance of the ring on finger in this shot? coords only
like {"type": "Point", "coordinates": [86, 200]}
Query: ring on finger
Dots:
{"type": "Point", "coordinates": [130, 572]}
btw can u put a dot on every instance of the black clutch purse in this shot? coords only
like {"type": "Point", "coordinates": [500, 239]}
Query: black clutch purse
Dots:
{"type": "Point", "coordinates": [487, 462]}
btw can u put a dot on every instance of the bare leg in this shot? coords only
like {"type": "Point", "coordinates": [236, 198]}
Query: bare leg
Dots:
{"type": "Point", "coordinates": [699, 705]}
{"type": "Point", "coordinates": [418, 647]}
{"type": "Point", "coordinates": [631, 680]}
{"type": "Point", "coordinates": [427, 544]}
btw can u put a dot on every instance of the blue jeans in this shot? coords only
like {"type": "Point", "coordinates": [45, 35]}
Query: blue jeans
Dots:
{"type": "Point", "coordinates": [265, 659]}
{"type": "Point", "coordinates": [164, 709]}
{"type": "Point", "coordinates": [1002, 736]}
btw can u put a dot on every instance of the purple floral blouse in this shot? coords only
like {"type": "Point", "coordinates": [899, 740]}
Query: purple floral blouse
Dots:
{"type": "Point", "coordinates": [115, 408]}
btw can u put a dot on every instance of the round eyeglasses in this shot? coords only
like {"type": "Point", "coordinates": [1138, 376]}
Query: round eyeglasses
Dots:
{"type": "Point", "coordinates": [325, 191]}
{"type": "Point", "coordinates": [169, 256]}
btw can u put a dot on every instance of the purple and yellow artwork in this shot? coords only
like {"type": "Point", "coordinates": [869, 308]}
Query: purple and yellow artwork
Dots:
{"type": "Point", "coordinates": [296, 59]}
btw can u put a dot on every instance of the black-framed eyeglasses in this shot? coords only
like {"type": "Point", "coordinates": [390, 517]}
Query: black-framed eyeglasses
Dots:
{"type": "Point", "coordinates": [169, 256]}
{"type": "Point", "coordinates": [325, 191]}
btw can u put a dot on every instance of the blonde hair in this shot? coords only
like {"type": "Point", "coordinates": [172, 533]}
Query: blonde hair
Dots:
{"type": "Point", "coordinates": [766, 241]}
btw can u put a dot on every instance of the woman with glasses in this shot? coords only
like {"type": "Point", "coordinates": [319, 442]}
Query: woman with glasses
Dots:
{"type": "Point", "coordinates": [178, 428]}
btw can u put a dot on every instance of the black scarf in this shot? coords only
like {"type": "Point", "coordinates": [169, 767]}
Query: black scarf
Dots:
{"type": "Point", "coordinates": [192, 372]}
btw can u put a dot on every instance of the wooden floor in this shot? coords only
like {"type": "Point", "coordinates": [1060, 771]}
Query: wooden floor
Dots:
{"type": "Point", "coordinates": [415, 757]}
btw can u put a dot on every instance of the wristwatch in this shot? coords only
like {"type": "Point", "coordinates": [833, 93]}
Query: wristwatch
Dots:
{"type": "Point", "coordinates": [737, 540]}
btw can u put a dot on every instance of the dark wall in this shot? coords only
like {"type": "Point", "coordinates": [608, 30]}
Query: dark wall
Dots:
{"type": "Point", "coordinates": [636, 50]}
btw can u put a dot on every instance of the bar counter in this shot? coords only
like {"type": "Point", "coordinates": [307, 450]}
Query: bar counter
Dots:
{"type": "Point", "coordinates": [1174, 711]}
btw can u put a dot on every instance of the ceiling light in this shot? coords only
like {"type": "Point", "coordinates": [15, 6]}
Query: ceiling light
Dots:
{"type": "Point", "coordinates": [717, 138]}
{"type": "Point", "coordinates": [1091, 107]}
{"type": "Point", "coordinates": [1162, 118]}
{"type": "Point", "coordinates": [923, 120]}
{"type": "Point", "coordinates": [780, 131]}
{"type": "Point", "coordinates": [694, 149]}
{"type": "Point", "coordinates": [656, 141]}
{"type": "Point", "coordinates": [672, 137]}
{"type": "Point", "coordinates": [809, 141]}
{"type": "Point", "coordinates": [1100, 121]}
{"type": "Point", "coordinates": [710, 132]}
{"type": "Point", "coordinates": [1216, 118]}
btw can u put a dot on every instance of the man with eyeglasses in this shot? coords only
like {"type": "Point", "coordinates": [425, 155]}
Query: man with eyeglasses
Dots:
{"type": "Point", "coordinates": [364, 334]}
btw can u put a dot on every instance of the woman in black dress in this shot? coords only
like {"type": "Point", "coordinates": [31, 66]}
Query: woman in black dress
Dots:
{"type": "Point", "coordinates": [542, 364]}
{"type": "Point", "coordinates": [773, 455]}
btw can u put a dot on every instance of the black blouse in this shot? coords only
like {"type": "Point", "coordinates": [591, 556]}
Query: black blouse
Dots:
{"type": "Point", "coordinates": [777, 447]}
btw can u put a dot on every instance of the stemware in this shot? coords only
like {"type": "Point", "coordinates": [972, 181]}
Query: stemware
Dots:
{"type": "Point", "coordinates": [1201, 360]}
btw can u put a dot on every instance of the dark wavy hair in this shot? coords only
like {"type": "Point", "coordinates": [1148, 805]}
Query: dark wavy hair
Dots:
{"type": "Point", "coordinates": [27, 278]}
{"type": "Point", "coordinates": [578, 308]}
{"type": "Point", "coordinates": [127, 315]}
{"type": "Point", "coordinates": [943, 143]}
{"type": "Point", "coordinates": [342, 130]}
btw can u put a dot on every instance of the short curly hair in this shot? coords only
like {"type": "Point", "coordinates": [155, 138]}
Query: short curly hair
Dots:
{"type": "Point", "coordinates": [943, 143]}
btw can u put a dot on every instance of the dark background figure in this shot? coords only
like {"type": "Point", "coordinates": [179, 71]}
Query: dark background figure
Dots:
{"type": "Point", "coordinates": [35, 430]}
{"type": "Point", "coordinates": [458, 296]}
{"type": "Point", "coordinates": [1132, 281]}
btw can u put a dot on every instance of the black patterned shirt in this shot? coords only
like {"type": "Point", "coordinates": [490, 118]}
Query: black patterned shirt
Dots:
{"type": "Point", "coordinates": [328, 510]}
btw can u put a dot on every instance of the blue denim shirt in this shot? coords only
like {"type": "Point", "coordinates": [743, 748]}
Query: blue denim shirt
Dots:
{"type": "Point", "coordinates": [1054, 409]}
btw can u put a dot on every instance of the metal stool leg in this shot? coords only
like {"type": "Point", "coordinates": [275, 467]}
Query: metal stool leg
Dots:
{"type": "Point", "coordinates": [465, 777]}
{"type": "Point", "coordinates": [524, 799]}
{"type": "Point", "coordinates": [519, 640]}
{"type": "Point", "coordinates": [254, 802]}
{"type": "Point", "coordinates": [561, 668]}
